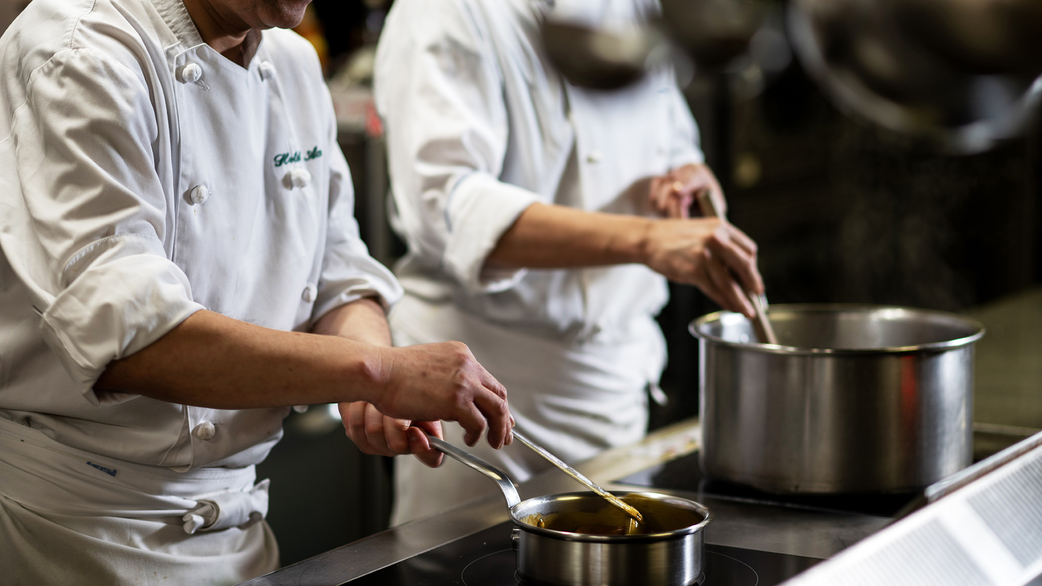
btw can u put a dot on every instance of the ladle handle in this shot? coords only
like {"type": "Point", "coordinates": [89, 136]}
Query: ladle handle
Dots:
{"type": "Point", "coordinates": [505, 484]}
{"type": "Point", "coordinates": [762, 325]}
{"type": "Point", "coordinates": [579, 477]}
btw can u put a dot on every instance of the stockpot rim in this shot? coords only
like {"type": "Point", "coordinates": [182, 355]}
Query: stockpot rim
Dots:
{"type": "Point", "coordinates": [707, 516]}
{"type": "Point", "coordinates": [695, 329]}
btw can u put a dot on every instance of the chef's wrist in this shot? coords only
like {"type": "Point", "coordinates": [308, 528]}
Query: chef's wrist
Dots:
{"type": "Point", "coordinates": [644, 244]}
{"type": "Point", "coordinates": [373, 373]}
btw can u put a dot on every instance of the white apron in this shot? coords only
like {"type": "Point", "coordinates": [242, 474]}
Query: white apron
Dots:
{"type": "Point", "coordinates": [71, 517]}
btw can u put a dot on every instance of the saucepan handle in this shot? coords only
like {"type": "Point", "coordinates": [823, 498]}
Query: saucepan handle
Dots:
{"type": "Point", "coordinates": [505, 484]}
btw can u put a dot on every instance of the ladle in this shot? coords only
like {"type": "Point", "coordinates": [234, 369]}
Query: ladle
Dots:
{"type": "Point", "coordinates": [508, 488]}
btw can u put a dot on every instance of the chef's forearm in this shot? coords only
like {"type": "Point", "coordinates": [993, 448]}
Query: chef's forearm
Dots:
{"type": "Point", "coordinates": [213, 361]}
{"type": "Point", "coordinates": [362, 321]}
{"type": "Point", "coordinates": [552, 236]}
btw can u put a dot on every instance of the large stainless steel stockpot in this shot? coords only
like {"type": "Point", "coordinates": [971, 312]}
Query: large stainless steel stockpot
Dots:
{"type": "Point", "coordinates": [854, 399]}
{"type": "Point", "coordinates": [565, 539]}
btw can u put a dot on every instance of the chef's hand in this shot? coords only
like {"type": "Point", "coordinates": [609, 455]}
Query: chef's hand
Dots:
{"type": "Point", "coordinates": [673, 194]}
{"type": "Point", "coordinates": [708, 253]}
{"type": "Point", "coordinates": [443, 381]}
{"type": "Point", "coordinates": [376, 434]}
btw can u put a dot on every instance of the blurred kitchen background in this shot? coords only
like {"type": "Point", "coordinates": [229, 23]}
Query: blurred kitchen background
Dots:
{"type": "Point", "coordinates": [843, 210]}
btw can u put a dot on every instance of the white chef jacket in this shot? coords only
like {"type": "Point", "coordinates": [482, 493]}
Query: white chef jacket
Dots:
{"type": "Point", "coordinates": [145, 177]}
{"type": "Point", "coordinates": [479, 127]}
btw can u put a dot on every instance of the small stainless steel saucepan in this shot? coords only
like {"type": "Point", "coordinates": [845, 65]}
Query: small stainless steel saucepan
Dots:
{"type": "Point", "coordinates": [578, 538]}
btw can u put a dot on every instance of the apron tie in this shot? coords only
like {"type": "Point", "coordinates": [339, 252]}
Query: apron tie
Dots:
{"type": "Point", "coordinates": [228, 509]}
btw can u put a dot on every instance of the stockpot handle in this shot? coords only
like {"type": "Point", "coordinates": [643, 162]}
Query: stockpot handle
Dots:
{"type": "Point", "coordinates": [505, 484]}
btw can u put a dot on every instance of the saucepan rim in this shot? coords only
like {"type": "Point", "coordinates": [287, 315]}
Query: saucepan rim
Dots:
{"type": "Point", "coordinates": [698, 507]}
{"type": "Point", "coordinates": [971, 324]}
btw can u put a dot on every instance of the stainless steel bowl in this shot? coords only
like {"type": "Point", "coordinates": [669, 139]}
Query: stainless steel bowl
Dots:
{"type": "Point", "coordinates": [854, 399]}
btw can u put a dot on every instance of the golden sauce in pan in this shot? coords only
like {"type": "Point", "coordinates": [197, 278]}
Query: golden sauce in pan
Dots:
{"type": "Point", "coordinates": [587, 516]}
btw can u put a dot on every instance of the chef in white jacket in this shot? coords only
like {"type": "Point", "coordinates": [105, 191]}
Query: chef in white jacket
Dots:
{"type": "Point", "coordinates": [179, 265]}
{"type": "Point", "coordinates": [534, 216]}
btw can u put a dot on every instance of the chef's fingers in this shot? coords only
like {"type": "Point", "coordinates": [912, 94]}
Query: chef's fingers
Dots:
{"type": "Point", "coordinates": [730, 290]}
{"type": "Point", "coordinates": [493, 385]}
{"type": "Point", "coordinates": [705, 280]}
{"type": "Point", "coordinates": [499, 430]}
{"type": "Point", "coordinates": [680, 201]}
{"type": "Point", "coordinates": [421, 447]}
{"type": "Point", "coordinates": [494, 411]}
{"type": "Point", "coordinates": [386, 435]}
{"type": "Point", "coordinates": [659, 191]}
{"type": "Point", "coordinates": [353, 417]}
{"type": "Point", "coordinates": [742, 240]}
{"type": "Point", "coordinates": [698, 179]}
{"type": "Point", "coordinates": [732, 248]}
{"type": "Point", "coordinates": [344, 409]}
{"type": "Point", "coordinates": [473, 422]}
{"type": "Point", "coordinates": [433, 428]}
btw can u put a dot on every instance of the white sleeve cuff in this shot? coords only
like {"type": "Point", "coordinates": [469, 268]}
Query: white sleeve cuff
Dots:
{"type": "Point", "coordinates": [351, 281]}
{"type": "Point", "coordinates": [124, 295]}
{"type": "Point", "coordinates": [686, 157]}
{"type": "Point", "coordinates": [479, 210]}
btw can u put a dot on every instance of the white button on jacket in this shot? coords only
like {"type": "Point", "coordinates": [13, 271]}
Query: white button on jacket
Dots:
{"type": "Point", "coordinates": [300, 178]}
{"type": "Point", "coordinates": [199, 194]}
{"type": "Point", "coordinates": [205, 431]}
{"type": "Point", "coordinates": [189, 73]}
{"type": "Point", "coordinates": [266, 69]}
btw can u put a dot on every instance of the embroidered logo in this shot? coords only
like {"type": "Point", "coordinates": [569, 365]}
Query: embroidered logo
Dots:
{"type": "Point", "coordinates": [110, 471]}
{"type": "Point", "coordinates": [294, 157]}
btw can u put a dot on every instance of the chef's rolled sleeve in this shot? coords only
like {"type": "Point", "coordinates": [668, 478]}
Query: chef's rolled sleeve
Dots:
{"type": "Point", "coordinates": [125, 296]}
{"type": "Point", "coordinates": [447, 135]}
{"type": "Point", "coordinates": [90, 214]}
{"type": "Point", "coordinates": [350, 274]}
{"type": "Point", "coordinates": [480, 210]}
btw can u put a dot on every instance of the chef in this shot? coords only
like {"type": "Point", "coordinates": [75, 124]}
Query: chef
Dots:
{"type": "Point", "coordinates": [179, 266]}
{"type": "Point", "coordinates": [535, 217]}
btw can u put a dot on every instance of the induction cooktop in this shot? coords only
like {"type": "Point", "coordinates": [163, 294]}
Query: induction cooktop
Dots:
{"type": "Point", "coordinates": [685, 474]}
{"type": "Point", "coordinates": [486, 559]}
